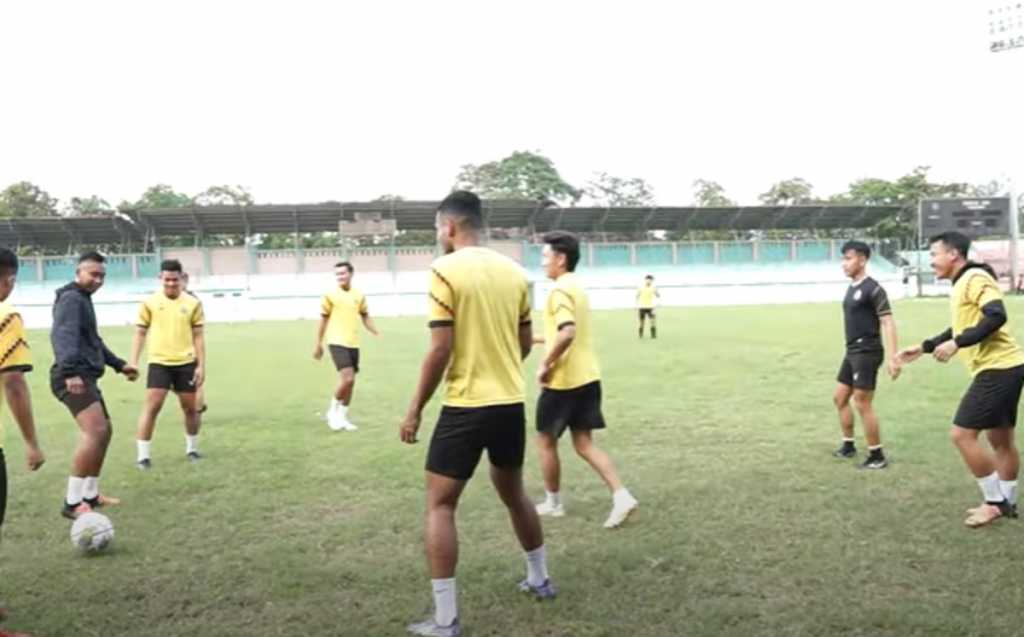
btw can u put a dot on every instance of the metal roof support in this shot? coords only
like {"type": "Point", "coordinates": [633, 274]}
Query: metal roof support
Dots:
{"type": "Point", "coordinates": [246, 224]}
{"type": "Point", "coordinates": [295, 229]}
{"type": "Point", "coordinates": [646, 223]}
{"type": "Point", "coordinates": [200, 233]}
{"type": "Point", "coordinates": [64, 223]}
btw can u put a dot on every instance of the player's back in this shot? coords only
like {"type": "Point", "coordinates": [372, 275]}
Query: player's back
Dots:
{"type": "Point", "coordinates": [484, 296]}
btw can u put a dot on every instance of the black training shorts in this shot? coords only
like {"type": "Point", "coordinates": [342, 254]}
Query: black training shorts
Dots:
{"type": "Point", "coordinates": [860, 371]}
{"type": "Point", "coordinates": [344, 357]}
{"type": "Point", "coordinates": [3, 487]}
{"type": "Point", "coordinates": [578, 409]}
{"type": "Point", "coordinates": [462, 434]}
{"type": "Point", "coordinates": [991, 400]}
{"type": "Point", "coordinates": [176, 377]}
{"type": "Point", "coordinates": [645, 312]}
{"type": "Point", "coordinates": [77, 403]}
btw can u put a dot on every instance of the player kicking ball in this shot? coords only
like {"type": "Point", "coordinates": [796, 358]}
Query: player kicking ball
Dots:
{"type": "Point", "coordinates": [571, 383]}
{"type": "Point", "coordinates": [171, 323]}
{"type": "Point", "coordinates": [982, 338]}
{"type": "Point", "coordinates": [79, 360]}
{"type": "Point", "coordinates": [341, 311]}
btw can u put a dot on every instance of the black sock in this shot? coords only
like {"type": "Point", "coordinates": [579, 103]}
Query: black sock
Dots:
{"type": "Point", "coordinates": [849, 446]}
{"type": "Point", "coordinates": [654, 332]}
{"type": "Point", "coordinates": [876, 454]}
{"type": "Point", "coordinates": [641, 332]}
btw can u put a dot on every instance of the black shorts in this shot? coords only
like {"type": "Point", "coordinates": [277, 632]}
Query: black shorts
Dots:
{"type": "Point", "coordinates": [176, 377]}
{"type": "Point", "coordinates": [578, 409]}
{"type": "Point", "coordinates": [3, 487]}
{"type": "Point", "coordinates": [860, 371]}
{"type": "Point", "coordinates": [991, 400]}
{"type": "Point", "coordinates": [77, 403]}
{"type": "Point", "coordinates": [645, 312]}
{"type": "Point", "coordinates": [344, 357]}
{"type": "Point", "coordinates": [462, 434]}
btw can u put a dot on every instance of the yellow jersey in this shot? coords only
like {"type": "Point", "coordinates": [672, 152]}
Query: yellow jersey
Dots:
{"type": "Point", "coordinates": [170, 323]}
{"type": "Point", "coordinates": [14, 351]}
{"type": "Point", "coordinates": [484, 295]}
{"type": "Point", "coordinates": [344, 310]}
{"type": "Point", "coordinates": [973, 288]}
{"type": "Point", "coordinates": [645, 297]}
{"type": "Point", "coordinates": [568, 304]}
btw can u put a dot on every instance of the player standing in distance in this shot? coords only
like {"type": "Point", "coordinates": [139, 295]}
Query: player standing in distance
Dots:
{"type": "Point", "coordinates": [201, 390]}
{"type": "Point", "coordinates": [866, 316]}
{"type": "Point", "coordinates": [172, 321]}
{"type": "Point", "coordinates": [341, 311]}
{"type": "Point", "coordinates": [79, 360]}
{"type": "Point", "coordinates": [571, 383]}
{"type": "Point", "coordinates": [15, 362]}
{"type": "Point", "coordinates": [480, 333]}
{"type": "Point", "coordinates": [982, 338]}
{"type": "Point", "coordinates": [646, 300]}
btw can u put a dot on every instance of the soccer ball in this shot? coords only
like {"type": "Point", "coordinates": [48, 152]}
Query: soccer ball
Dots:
{"type": "Point", "coordinates": [92, 532]}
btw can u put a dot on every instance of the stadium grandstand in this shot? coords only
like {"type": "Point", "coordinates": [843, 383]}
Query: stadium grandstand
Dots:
{"type": "Point", "coordinates": [242, 281]}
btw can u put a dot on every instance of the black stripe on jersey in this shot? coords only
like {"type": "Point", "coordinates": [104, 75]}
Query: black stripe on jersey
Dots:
{"type": "Point", "coordinates": [441, 323]}
{"type": "Point", "coordinates": [443, 305]}
{"type": "Point", "coordinates": [566, 324]}
{"type": "Point", "coordinates": [12, 349]}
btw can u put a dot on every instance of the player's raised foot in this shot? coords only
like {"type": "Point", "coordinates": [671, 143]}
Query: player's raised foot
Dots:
{"type": "Point", "coordinates": [622, 508]}
{"type": "Point", "coordinates": [985, 514]}
{"type": "Point", "coordinates": [144, 465]}
{"type": "Point", "coordinates": [550, 509]}
{"type": "Point", "coordinates": [874, 462]}
{"type": "Point", "coordinates": [431, 628]}
{"type": "Point", "coordinates": [101, 501]}
{"type": "Point", "coordinates": [194, 456]}
{"type": "Point", "coordinates": [72, 511]}
{"type": "Point", "coordinates": [845, 451]}
{"type": "Point", "coordinates": [544, 591]}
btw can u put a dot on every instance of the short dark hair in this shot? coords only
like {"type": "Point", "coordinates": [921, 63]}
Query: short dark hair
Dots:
{"type": "Point", "coordinates": [859, 247]}
{"type": "Point", "coordinates": [171, 265]}
{"type": "Point", "coordinates": [649, 277]}
{"type": "Point", "coordinates": [465, 206]}
{"type": "Point", "coordinates": [345, 264]}
{"type": "Point", "coordinates": [956, 240]}
{"type": "Point", "coordinates": [8, 262]}
{"type": "Point", "coordinates": [565, 243]}
{"type": "Point", "coordinates": [92, 255]}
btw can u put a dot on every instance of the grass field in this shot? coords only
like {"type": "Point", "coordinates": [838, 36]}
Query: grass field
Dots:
{"type": "Point", "coordinates": [722, 428]}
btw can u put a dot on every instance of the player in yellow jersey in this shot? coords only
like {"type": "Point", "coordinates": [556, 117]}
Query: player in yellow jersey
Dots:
{"type": "Point", "coordinates": [170, 322]}
{"type": "Point", "coordinates": [341, 311]}
{"type": "Point", "coordinates": [479, 313]}
{"type": "Point", "coordinates": [646, 300]}
{"type": "Point", "coordinates": [15, 361]}
{"type": "Point", "coordinates": [982, 338]}
{"type": "Point", "coordinates": [571, 382]}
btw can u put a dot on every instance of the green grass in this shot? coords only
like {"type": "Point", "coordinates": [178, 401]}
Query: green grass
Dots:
{"type": "Point", "coordinates": [722, 428]}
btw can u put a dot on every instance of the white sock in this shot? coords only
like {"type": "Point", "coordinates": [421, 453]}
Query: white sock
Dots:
{"type": "Point", "coordinates": [536, 566]}
{"type": "Point", "coordinates": [343, 409]}
{"type": "Point", "coordinates": [990, 488]}
{"type": "Point", "coordinates": [850, 440]}
{"type": "Point", "coordinates": [445, 604]}
{"type": "Point", "coordinates": [143, 448]}
{"type": "Point", "coordinates": [74, 495]}
{"type": "Point", "coordinates": [334, 404]}
{"type": "Point", "coordinates": [91, 488]}
{"type": "Point", "coordinates": [622, 495]}
{"type": "Point", "coordinates": [1009, 490]}
{"type": "Point", "coordinates": [191, 443]}
{"type": "Point", "coordinates": [554, 498]}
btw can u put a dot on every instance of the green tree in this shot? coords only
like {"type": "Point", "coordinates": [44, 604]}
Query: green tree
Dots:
{"type": "Point", "coordinates": [224, 196]}
{"type": "Point", "coordinates": [162, 196]}
{"type": "Point", "coordinates": [521, 175]}
{"type": "Point", "coordinates": [710, 194]}
{"type": "Point", "coordinates": [609, 191]}
{"type": "Point", "coordinates": [25, 199]}
{"type": "Point", "coordinates": [789, 192]}
{"type": "Point", "coordinates": [92, 205]}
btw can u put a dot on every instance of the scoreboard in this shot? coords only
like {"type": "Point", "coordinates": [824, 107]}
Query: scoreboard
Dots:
{"type": "Point", "coordinates": [976, 217]}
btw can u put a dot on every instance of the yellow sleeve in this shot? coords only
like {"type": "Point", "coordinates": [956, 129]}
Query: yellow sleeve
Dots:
{"type": "Point", "coordinates": [326, 305]}
{"type": "Point", "coordinates": [364, 309]}
{"type": "Point", "coordinates": [14, 351]}
{"type": "Point", "coordinates": [983, 290]}
{"type": "Point", "coordinates": [145, 315]}
{"type": "Point", "coordinates": [198, 316]}
{"type": "Point", "coordinates": [562, 307]}
{"type": "Point", "coordinates": [524, 306]}
{"type": "Point", "coordinates": [442, 299]}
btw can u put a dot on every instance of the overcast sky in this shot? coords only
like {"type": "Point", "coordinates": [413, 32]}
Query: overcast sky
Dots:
{"type": "Point", "coordinates": [311, 101]}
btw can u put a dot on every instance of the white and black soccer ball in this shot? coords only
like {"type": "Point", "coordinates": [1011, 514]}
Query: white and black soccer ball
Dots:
{"type": "Point", "coordinates": [92, 532]}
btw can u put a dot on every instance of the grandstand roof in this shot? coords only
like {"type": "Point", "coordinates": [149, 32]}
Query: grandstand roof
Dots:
{"type": "Point", "coordinates": [156, 223]}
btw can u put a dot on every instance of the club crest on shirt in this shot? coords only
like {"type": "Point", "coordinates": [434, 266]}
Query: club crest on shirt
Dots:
{"type": "Point", "coordinates": [856, 295]}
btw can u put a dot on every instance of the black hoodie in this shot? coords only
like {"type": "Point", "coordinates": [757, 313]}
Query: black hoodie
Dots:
{"type": "Point", "coordinates": [78, 349]}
